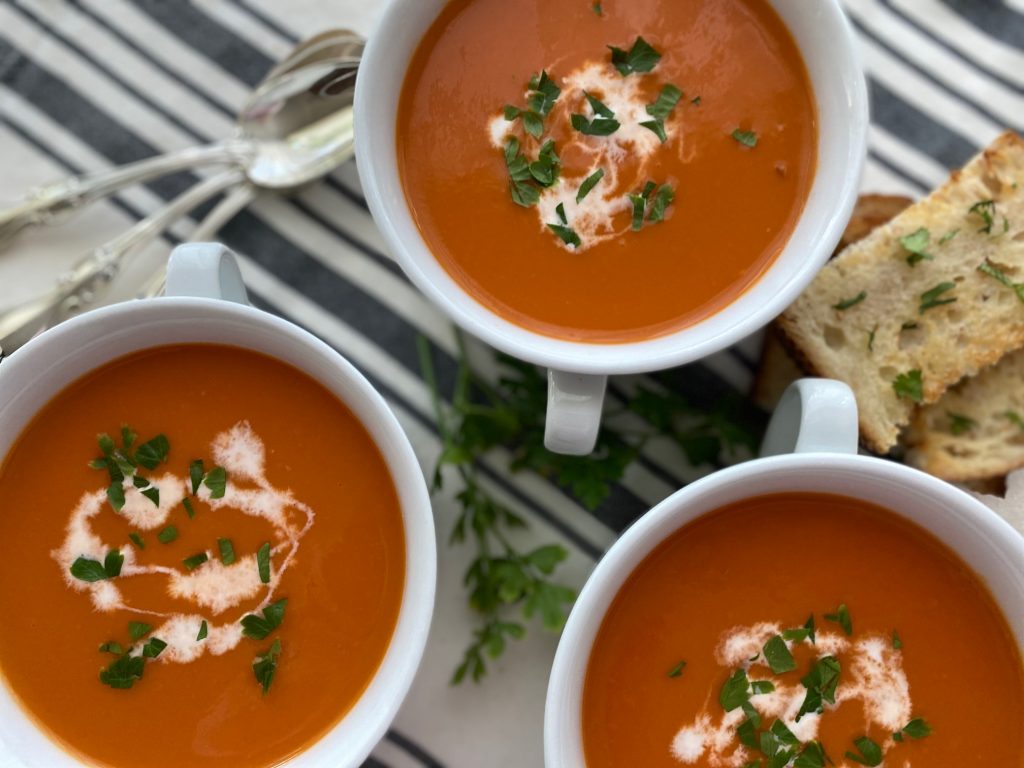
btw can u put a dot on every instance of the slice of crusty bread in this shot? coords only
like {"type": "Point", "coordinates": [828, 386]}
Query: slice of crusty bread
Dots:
{"type": "Point", "coordinates": [777, 369]}
{"type": "Point", "coordinates": [887, 335]}
{"type": "Point", "coordinates": [976, 429]}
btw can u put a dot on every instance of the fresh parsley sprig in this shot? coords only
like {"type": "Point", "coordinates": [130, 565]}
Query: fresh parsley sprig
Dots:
{"type": "Point", "coordinates": [661, 109]}
{"type": "Point", "coordinates": [123, 463]}
{"type": "Point", "coordinates": [541, 98]}
{"type": "Point", "coordinates": [504, 580]}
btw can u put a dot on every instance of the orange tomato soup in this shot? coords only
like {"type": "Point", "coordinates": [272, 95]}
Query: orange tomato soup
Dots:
{"type": "Point", "coordinates": [303, 482]}
{"type": "Point", "coordinates": [738, 156]}
{"type": "Point", "coordinates": [920, 646]}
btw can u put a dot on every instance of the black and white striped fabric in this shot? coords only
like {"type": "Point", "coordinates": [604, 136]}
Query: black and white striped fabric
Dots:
{"type": "Point", "coordinates": [88, 84]}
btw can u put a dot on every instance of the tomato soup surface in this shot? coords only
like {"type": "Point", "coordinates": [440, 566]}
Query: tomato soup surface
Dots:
{"type": "Point", "coordinates": [310, 515]}
{"type": "Point", "coordinates": [723, 190]}
{"type": "Point", "coordinates": [928, 654]}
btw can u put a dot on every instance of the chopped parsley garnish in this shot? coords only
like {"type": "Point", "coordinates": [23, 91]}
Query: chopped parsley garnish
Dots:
{"type": "Point", "coordinates": [153, 648]}
{"type": "Point", "coordinates": [596, 8]}
{"type": "Point", "coordinates": [122, 463]}
{"type": "Point", "coordinates": [869, 752]}
{"type": "Point", "coordinates": [187, 503]}
{"type": "Point", "coordinates": [948, 236]}
{"type": "Point", "coordinates": [909, 385]}
{"type": "Point", "coordinates": [930, 298]}
{"type": "Point", "coordinates": [543, 93]}
{"type": "Point", "coordinates": [660, 202]}
{"type": "Point", "coordinates": [677, 670]}
{"type": "Point", "coordinates": [167, 535]}
{"type": "Point", "coordinates": [757, 687]}
{"type": "Point", "coordinates": [153, 452]}
{"type": "Point", "coordinates": [821, 683]}
{"type": "Point", "coordinates": [842, 618]}
{"type": "Point", "coordinates": [216, 480]}
{"type": "Point", "coordinates": [746, 138]}
{"type": "Point", "coordinates": [136, 539]}
{"type": "Point", "coordinates": [258, 627]}
{"type": "Point", "coordinates": [599, 126]}
{"type": "Point", "coordinates": [588, 184]}
{"type": "Point", "coordinates": [112, 647]}
{"type": "Point", "coordinates": [227, 551]}
{"type": "Point", "coordinates": [1015, 418]}
{"type": "Point", "coordinates": [193, 562]}
{"type": "Point", "coordinates": [263, 562]}
{"type": "Point", "coordinates": [915, 729]}
{"type": "Point", "coordinates": [203, 631]}
{"type": "Point", "coordinates": [695, 101]}
{"type": "Point", "coordinates": [88, 570]}
{"type": "Point", "coordinates": [524, 191]}
{"type": "Point", "coordinates": [566, 234]}
{"type": "Point", "coordinates": [196, 472]}
{"type": "Point", "coordinates": [138, 630]}
{"type": "Point", "coordinates": [988, 268]}
{"type": "Point", "coordinates": [897, 641]}
{"type": "Point", "coordinates": [871, 338]}
{"type": "Point", "coordinates": [958, 423]}
{"type": "Point", "coordinates": [123, 672]}
{"type": "Point", "coordinates": [914, 244]}
{"type": "Point", "coordinates": [546, 167]}
{"type": "Point", "coordinates": [661, 109]}
{"type": "Point", "coordinates": [986, 209]}
{"type": "Point", "coordinates": [799, 634]}
{"type": "Point", "coordinates": [813, 756]}
{"type": "Point", "coordinates": [265, 665]}
{"type": "Point", "coordinates": [640, 58]}
{"type": "Point", "coordinates": [777, 654]}
{"type": "Point", "coordinates": [735, 691]}
{"type": "Point", "coordinates": [847, 303]}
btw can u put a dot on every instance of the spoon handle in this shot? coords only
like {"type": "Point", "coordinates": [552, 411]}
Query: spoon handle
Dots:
{"type": "Point", "coordinates": [44, 204]}
{"type": "Point", "coordinates": [79, 288]}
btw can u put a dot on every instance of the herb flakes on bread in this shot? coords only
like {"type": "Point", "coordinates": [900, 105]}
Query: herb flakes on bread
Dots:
{"type": "Point", "coordinates": [925, 300]}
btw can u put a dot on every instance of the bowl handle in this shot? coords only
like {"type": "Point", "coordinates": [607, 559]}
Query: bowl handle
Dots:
{"type": "Point", "coordinates": [207, 271]}
{"type": "Point", "coordinates": [574, 412]}
{"type": "Point", "coordinates": [814, 415]}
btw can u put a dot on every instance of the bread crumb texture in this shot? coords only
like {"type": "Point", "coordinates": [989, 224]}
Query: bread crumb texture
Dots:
{"type": "Point", "coordinates": [934, 291]}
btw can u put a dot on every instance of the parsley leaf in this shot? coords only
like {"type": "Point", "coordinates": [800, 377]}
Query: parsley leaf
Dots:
{"type": "Point", "coordinates": [662, 199]}
{"type": "Point", "coordinates": [566, 234]}
{"type": "Point", "coordinates": [138, 629]}
{"type": "Point", "coordinates": [959, 424]}
{"type": "Point", "coordinates": [153, 648]}
{"type": "Point", "coordinates": [167, 535]}
{"type": "Point", "coordinates": [986, 209]}
{"type": "Point", "coordinates": [523, 191]}
{"type": "Point", "coordinates": [545, 169]}
{"type": "Point", "coordinates": [914, 244]}
{"type": "Point", "coordinates": [189, 510]}
{"type": "Point", "coordinates": [735, 691]}
{"type": "Point", "coordinates": [263, 562]}
{"type": "Point", "coordinates": [777, 654]}
{"type": "Point", "coordinates": [897, 643]}
{"type": "Point", "coordinates": [588, 184]}
{"type": "Point", "coordinates": [115, 495]}
{"type": "Point", "coordinates": [196, 473]}
{"type": "Point", "coordinates": [640, 58]}
{"type": "Point", "coordinates": [813, 756]}
{"type": "Point", "coordinates": [992, 271]}
{"type": "Point", "coordinates": [917, 729]}
{"type": "Point", "coordinates": [258, 627]}
{"type": "Point", "coordinates": [746, 138]}
{"type": "Point", "coordinates": [869, 752]}
{"type": "Point", "coordinates": [91, 571]}
{"type": "Point", "coordinates": [123, 672]}
{"type": "Point", "coordinates": [599, 126]}
{"type": "Point", "coordinates": [677, 670]}
{"type": "Point", "coordinates": [151, 453]}
{"type": "Point", "coordinates": [842, 618]}
{"type": "Point", "coordinates": [216, 480]}
{"type": "Point", "coordinates": [227, 551]}
{"type": "Point", "coordinates": [948, 236]}
{"type": "Point", "coordinates": [112, 647]}
{"type": "Point", "coordinates": [821, 683]}
{"type": "Point", "coordinates": [661, 109]}
{"type": "Point", "coordinates": [194, 561]}
{"type": "Point", "coordinates": [799, 634]}
{"type": "Point", "coordinates": [909, 385]}
{"type": "Point", "coordinates": [203, 631]}
{"type": "Point", "coordinates": [930, 298]}
{"type": "Point", "coordinates": [264, 667]}
{"type": "Point", "coordinates": [847, 303]}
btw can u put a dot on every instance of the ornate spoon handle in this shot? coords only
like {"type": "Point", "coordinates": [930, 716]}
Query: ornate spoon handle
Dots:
{"type": "Point", "coordinates": [79, 288]}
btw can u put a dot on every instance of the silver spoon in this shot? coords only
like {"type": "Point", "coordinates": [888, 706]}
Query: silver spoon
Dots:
{"type": "Point", "coordinates": [315, 81]}
{"type": "Point", "coordinates": [285, 161]}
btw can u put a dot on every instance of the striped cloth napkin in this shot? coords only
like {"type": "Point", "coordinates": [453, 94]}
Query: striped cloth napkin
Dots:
{"type": "Point", "coordinates": [87, 84]}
